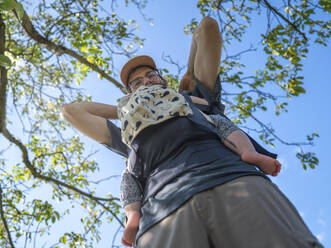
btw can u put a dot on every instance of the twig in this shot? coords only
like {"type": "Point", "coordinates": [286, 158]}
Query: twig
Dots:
{"type": "Point", "coordinates": [267, 128]}
{"type": "Point", "coordinates": [3, 219]}
{"type": "Point", "coordinates": [3, 76]}
{"type": "Point", "coordinates": [60, 49]}
{"type": "Point", "coordinates": [168, 59]}
{"type": "Point", "coordinates": [114, 237]}
{"type": "Point", "coordinates": [36, 174]}
{"type": "Point", "coordinates": [285, 19]}
{"type": "Point", "coordinates": [112, 212]}
{"type": "Point", "coordinates": [105, 179]}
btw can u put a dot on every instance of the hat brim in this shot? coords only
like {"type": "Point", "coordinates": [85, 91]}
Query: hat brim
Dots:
{"type": "Point", "coordinates": [134, 63]}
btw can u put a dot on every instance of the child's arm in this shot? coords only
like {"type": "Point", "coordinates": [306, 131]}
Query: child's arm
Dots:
{"type": "Point", "coordinates": [131, 200]}
{"type": "Point", "coordinates": [237, 141]}
{"type": "Point", "coordinates": [130, 190]}
{"type": "Point", "coordinates": [224, 128]}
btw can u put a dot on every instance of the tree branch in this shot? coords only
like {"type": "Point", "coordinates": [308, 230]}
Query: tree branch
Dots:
{"type": "Point", "coordinates": [264, 126]}
{"type": "Point", "coordinates": [3, 76]}
{"type": "Point", "coordinates": [60, 50]}
{"type": "Point", "coordinates": [3, 219]}
{"type": "Point", "coordinates": [285, 19]}
{"type": "Point", "coordinates": [3, 86]}
{"type": "Point", "coordinates": [110, 211]}
{"type": "Point", "coordinates": [104, 179]}
{"type": "Point", "coordinates": [36, 174]}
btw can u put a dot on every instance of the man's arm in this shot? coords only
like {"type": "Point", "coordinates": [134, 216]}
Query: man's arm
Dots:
{"type": "Point", "coordinates": [90, 119]}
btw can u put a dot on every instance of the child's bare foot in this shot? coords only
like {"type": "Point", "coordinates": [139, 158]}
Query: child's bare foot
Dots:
{"type": "Point", "coordinates": [131, 229]}
{"type": "Point", "coordinates": [267, 164]}
{"type": "Point", "coordinates": [187, 83]}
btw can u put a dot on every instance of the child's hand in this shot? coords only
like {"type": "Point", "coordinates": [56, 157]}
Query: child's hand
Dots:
{"type": "Point", "coordinates": [131, 229]}
{"type": "Point", "coordinates": [187, 83]}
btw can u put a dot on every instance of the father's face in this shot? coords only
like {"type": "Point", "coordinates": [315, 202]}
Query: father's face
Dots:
{"type": "Point", "coordinates": [144, 76]}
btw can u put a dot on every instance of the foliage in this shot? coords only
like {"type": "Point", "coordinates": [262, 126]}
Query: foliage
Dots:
{"type": "Point", "coordinates": [48, 47]}
{"type": "Point", "coordinates": [291, 28]}
{"type": "Point", "coordinates": [43, 56]}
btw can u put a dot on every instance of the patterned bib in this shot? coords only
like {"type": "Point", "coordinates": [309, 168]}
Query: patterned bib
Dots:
{"type": "Point", "coordinates": [149, 106]}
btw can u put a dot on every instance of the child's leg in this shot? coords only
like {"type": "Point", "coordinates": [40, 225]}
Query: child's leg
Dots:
{"type": "Point", "coordinates": [238, 142]}
{"type": "Point", "coordinates": [132, 212]}
{"type": "Point", "coordinates": [205, 56]}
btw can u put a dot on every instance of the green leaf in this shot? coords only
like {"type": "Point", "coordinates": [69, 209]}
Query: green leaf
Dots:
{"type": "Point", "coordinates": [19, 10]}
{"type": "Point", "coordinates": [299, 89]}
{"type": "Point", "coordinates": [7, 5]}
{"type": "Point", "coordinates": [326, 4]}
{"type": "Point", "coordinates": [5, 61]}
{"type": "Point", "coordinates": [63, 239]}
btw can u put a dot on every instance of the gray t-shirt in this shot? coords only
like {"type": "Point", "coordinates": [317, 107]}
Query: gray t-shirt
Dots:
{"type": "Point", "coordinates": [131, 191]}
{"type": "Point", "coordinates": [182, 158]}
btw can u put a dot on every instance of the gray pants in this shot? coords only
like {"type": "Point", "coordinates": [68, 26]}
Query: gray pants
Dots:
{"type": "Point", "coordinates": [247, 212]}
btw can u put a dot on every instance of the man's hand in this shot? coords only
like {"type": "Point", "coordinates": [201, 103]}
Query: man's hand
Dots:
{"type": "Point", "coordinates": [187, 83]}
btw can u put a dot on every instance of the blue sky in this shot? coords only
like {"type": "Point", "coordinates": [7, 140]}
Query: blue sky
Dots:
{"type": "Point", "coordinates": [309, 190]}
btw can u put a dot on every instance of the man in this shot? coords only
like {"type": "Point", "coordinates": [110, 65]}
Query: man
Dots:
{"type": "Point", "coordinates": [197, 193]}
